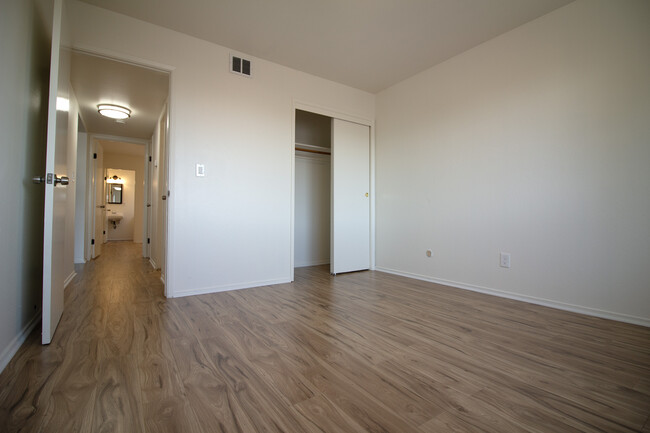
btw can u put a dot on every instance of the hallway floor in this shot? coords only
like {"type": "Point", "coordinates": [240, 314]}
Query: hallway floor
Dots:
{"type": "Point", "coordinates": [357, 352]}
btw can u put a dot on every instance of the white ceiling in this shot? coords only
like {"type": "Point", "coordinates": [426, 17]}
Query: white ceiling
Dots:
{"type": "Point", "coordinates": [99, 80]}
{"type": "Point", "coordinates": [122, 148]}
{"type": "Point", "coordinates": [366, 44]}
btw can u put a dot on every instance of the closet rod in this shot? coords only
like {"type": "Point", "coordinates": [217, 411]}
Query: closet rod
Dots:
{"type": "Point", "coordinates": [320, 152]}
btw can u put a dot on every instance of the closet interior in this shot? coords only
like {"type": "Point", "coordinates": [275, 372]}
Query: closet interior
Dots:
{"type": "Point", "coordinates": [313, 136]}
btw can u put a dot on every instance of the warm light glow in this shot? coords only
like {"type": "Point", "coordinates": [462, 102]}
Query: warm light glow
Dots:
{"type": "Point", "coordinates": [62, 104]}
{"type": "Point", "coordinates": [114, 111]}
{"type": "Point", "coordinates": [114, 179]}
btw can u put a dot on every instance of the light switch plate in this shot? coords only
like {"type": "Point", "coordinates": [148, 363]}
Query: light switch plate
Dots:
{"type": "Point", "coordinates": [504, 260]}
{"type": "Point", "coordinates": [200, 170]}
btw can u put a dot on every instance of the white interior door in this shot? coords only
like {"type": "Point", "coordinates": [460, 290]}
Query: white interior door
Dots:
{"type": "Point", "coordinates": [56, 176]}
{"type": "Point", "coordinates": [350, 221]}
{"type": "Point", "coordinates": [104, 209]}
{"type": "Point", "coordinates": [146, 242]}
{"type": "Point", "coordinates": [100, 200]}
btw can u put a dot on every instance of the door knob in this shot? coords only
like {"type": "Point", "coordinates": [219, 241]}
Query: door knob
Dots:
{"type": "Point", "coordinates": [63, 180]}
{"type": "Point", "coordinates": [366, 194]}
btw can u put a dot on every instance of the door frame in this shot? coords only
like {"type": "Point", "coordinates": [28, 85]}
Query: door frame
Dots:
{"type": "Point", "coordinates": [325, 111]}
{"type": "Point", "coordinates": [169, 229]}
{"type": "Point", "coordinates": [90, 180]}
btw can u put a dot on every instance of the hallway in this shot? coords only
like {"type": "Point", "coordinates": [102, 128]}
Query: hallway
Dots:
{"type": "Point", "coordinates": [359, 352]}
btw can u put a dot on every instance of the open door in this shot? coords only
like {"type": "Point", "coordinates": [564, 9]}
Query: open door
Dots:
{"type": "Point", "coordinates": [350, 232]}
{"type": "Point", "coordinates": [99, 219]}
{"type": "Point", "coordinates": [55, 178]}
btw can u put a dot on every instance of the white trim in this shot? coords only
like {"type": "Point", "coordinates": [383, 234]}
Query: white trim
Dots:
{"type": "Point", "coordinates": [11, 349]}
{"type": "Point", "coordinates": [316, 262]}
{"type": "Point", "coordinates": [153, 263]}
{"type": "Point", "coordinates": [324, 111]}
{"type": "Point", "coordinates": [372, 191]}
{"type": "Point", "coordinates": [228, 287]}
{"type": "Point", "coordinates": [292, 205]}
{"type": "Point", "coordinates": [169, 148]}
{"type": "Point", "coordinates": [89, 249]}
{"type": "Point", "coordinates": [69, 279]}
{"type": "Point", "coordinates": [107, 137]}
{"type": "Point", "coordinates": [121, 57]}
{"type": "Point", "coordinates": [524, 298]}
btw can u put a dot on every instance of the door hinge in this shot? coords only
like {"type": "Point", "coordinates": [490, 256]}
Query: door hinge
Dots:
{"type": "Point", "coordinates": [94, 156]}
{"type": "Point", "coordinates": [92, 242]}
{"type": "Point", "coordinates": [149, 159]}
{"type": "Point", "coordinates": [148, 240]}
{"type": "Point", "coordinates": [103, 232]}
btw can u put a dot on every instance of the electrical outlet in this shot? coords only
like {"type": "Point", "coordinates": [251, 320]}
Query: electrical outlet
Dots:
{"type": "Point", "coordinates": [200, 170]}
{"type": "Point", "coordinates": [429, 253]}
{"type": "Point", "coordinates": [505, 260]}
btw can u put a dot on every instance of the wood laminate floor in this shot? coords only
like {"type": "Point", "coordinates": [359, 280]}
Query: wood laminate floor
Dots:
{"type": "Point", "coordinates": [354, 353]}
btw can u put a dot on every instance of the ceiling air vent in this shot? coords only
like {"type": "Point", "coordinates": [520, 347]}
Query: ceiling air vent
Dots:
{"type": "Point", "coordinates": [240, 66]}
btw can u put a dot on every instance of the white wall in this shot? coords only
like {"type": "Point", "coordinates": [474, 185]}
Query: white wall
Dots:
{"type": "Point", "coordinates": [24, 78]}
{"type": "Point", "coordinates": [231, 228]}
{"type": "Point", "coordinates": [535, 143]}
{"type": "Point", "coordinates": [134, 193]}
{"type": "Point", "coordinates": [312, 209]}
{"type": "Point", "coordinates": [80, 199]}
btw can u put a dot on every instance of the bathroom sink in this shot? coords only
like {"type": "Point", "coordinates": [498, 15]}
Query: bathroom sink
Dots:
{"type": "Point", "coordinates": [115, 217]}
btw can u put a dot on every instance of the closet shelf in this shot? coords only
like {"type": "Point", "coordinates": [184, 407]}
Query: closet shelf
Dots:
{"type": "Point", "coordinates": [313, 149]}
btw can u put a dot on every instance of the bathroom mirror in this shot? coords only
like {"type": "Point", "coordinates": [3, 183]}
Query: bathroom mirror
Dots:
{"type": "Point", "coordinates": [115, 193]}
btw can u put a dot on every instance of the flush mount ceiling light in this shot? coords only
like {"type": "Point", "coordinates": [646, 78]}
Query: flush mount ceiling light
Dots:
{"type": "Point", "coordinates": [114, 111]}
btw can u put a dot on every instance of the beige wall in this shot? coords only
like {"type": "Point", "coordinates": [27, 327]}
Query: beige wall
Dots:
{"type": "Point", "coordinates": [535, 143]}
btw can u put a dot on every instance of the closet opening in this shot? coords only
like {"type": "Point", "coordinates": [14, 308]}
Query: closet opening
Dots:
{"type": "Point", "coordinates": [313, 146]}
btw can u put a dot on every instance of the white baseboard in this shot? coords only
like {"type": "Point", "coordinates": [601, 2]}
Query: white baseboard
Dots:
{"type": "Point", "coordinates": [152, 262]}
{"type": "Point", "coordinates": [18, 341]}
{"type": "Point", "coordinates": [69, 279]}
{"type": "Point", "coordinates": [524, 298]}
{"type": "Point", "coordinates": [318, 262]}
{"type": "Point", "coordinates": [228, 287]}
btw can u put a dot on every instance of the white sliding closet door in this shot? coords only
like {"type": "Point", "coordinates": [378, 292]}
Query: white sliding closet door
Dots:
{"type": "Point", "coordinates": [350, 221]}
